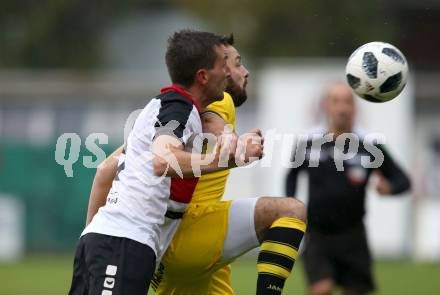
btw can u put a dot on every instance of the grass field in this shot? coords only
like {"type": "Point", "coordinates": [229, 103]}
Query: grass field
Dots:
{"type": "Point", "coordinates": [50, 275]}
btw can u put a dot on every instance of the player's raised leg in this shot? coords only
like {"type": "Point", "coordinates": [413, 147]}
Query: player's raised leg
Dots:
{"type": "Point", "coordinates": [280, 225]}
{"type": "Point", "coordinates": [275, 223]}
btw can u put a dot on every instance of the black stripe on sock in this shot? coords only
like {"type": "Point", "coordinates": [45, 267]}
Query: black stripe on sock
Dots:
{"type": "Point", "coordinates": [285, 235]}
{"type": "Point", "coordinates": [277, 259]}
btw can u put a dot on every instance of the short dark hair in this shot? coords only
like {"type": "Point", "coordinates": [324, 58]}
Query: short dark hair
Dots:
{"type": "Point", "coordinates": [228, 39]}
{"type": "Point", "coordinates": [188, 51]}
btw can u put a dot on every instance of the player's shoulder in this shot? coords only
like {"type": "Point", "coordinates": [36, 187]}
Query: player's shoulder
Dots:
{"type": "Point", "coordinates": [225, 108]}
{"type": "Point", "coordinates": [225, 104]}
{"type": "Point", "coordinates": [173, 102]}
{"type": "Point", "coordinates": [167, 104]}
{"type": "Point", "coordinates": [172, 106]}
{"type": "Point", "coordinates": [174, 97]}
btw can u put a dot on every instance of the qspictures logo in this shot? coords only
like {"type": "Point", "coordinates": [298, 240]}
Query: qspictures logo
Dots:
{"type": "Point", "coordinates": [295, 148]}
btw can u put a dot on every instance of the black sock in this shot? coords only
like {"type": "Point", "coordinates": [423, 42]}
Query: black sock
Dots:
{"type": "Point", "coordinates": [278, 253]}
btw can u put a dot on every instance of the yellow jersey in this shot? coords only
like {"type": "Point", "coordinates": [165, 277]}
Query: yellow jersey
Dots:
{"type": "Point", "coordinates": [211, 187]}
{"type": "Point", "coordinates": [191, 263]}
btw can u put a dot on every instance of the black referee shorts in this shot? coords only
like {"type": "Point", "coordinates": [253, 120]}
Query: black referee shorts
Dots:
{"type": "Point", "coordinates": [343, 257]}
{"type": "Point", "coordinates": [107, 265]}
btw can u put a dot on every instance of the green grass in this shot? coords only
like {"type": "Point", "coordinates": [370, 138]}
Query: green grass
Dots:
{"type": "Point", "coordinates": [37, 275]}
{"type": "Point", "coordinates": [392, 277]}
{"type": "Point", "coordinates": [50, 275]}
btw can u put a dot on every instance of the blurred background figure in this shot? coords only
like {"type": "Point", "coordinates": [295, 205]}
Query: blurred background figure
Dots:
{"type": "Point", "coordinates": [71, 72]}
{"type": "Point", "coordinates": [337, 252]}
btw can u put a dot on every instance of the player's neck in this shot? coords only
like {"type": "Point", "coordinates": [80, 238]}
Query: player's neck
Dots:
{"type": "Point", "coordinates": [195, 94]}
{"type": "Point", "coordinates": [199, 96]}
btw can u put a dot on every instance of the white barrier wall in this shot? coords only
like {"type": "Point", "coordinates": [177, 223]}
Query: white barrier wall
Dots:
{"type": "Point", "coordinates": [288, 95]}
{"type": "Point", "coordinates": [11, 228]}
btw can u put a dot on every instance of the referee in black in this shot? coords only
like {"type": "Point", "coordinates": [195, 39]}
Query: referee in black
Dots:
{"type": "Point", "coordinates": [336, 250]}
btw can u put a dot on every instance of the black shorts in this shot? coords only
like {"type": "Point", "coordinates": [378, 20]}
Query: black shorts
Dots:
{"type": "Point", "coordinates": [343, 257]}
{"type": "Point", "coordinates": [106, 265]}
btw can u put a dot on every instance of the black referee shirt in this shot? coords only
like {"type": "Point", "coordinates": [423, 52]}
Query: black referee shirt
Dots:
{"type": "Point", "coordinates": [337, 198]}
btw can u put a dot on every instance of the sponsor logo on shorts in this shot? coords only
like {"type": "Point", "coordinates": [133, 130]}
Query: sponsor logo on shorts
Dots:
{"type": "Point", "coordinates": [109, 283]}
{"type": "Point", "coordinates": [109, 280]}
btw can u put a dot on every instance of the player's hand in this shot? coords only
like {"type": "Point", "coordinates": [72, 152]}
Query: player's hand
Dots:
{"type": "Point", "coordinates": [258, 132]}
{"type": "Point", "coordinates": [249, 147]}
{"type": "Point", "coordinates": [227, 142]}
{"type": "Point", "coordinates": [383, 186]}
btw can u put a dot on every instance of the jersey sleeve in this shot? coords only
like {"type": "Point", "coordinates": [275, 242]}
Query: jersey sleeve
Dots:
{"type": "Point", "coordinates": [292, 175]}
{"type": "Point", "coordinates": [174, 117]}
{"type": "Point", "coordinates": [396, 176]}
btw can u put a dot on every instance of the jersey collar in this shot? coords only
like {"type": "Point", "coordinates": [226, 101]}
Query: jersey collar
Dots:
{"type": "Point", "coordinates": [182, 92]}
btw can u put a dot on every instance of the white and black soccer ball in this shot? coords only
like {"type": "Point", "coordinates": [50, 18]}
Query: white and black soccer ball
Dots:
{"type": "Point", "coordinates": [377, 71]}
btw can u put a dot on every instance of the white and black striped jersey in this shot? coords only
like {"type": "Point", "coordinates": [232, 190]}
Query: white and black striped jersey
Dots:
{"type": "Point", "coordinates": [141, 206]}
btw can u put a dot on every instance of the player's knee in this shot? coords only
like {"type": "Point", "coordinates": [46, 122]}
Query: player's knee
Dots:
{"type": "Point", "coordinates": [294, 208]}
{"type": "Point", "coordinates": [270, 209]}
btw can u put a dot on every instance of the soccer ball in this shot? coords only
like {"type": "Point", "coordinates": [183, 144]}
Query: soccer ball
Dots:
{"type": "Point", "coordinates": [377, 71]}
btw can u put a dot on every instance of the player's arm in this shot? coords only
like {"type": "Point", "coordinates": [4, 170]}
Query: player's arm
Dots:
{"type": "Point", "coordinates": [170, 159]}
{"type": "Point", "coordinates": [214, 124]}
{"type": "Point", "coordinates": [105, 173]}
{"type": "Point", "coordinates": [292, 175]}
{"type": "Point", "coordinates": [233, 146]}
{"type": "Point", "coordinates": [291, 181]}
{"type": "Point", "coordinates": [392, 179]}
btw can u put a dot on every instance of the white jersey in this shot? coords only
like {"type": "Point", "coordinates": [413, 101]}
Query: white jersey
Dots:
{"type": "Point", "coordinates": [141, 206]}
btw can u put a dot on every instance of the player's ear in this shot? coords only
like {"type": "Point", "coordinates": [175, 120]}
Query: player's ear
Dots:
{"type": "Point", "coordinates": [202, 76]}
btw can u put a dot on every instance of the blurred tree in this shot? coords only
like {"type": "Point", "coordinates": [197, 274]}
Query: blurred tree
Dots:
{"type": "Point", "coordinates": [67, 33]}
{"type": "Point", "coordinates": [59, 33]}
{"type": "Point", "coordinates": [298, 28]}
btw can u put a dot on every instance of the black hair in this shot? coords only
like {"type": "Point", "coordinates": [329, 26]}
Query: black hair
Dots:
{"type": "Point", "coordinates": [228, 39]}
{"type": "Point", "coordinates": [189, 51]}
